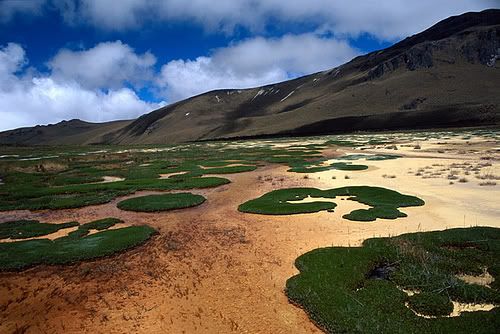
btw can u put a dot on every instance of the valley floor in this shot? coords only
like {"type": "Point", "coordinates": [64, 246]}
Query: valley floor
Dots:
{"type": "Point", "coordinates": [213, 269]}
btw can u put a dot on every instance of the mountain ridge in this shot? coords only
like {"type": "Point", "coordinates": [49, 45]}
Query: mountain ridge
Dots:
{"type": "Point", "coordinates": [445, 76]}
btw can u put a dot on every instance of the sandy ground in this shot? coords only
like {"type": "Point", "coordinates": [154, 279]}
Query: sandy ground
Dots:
{"type": "Point", "coordinates": [213, 269]}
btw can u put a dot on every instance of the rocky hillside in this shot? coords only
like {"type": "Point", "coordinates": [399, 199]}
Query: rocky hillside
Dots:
{"type": "Point", "coordinates": [446, 76]}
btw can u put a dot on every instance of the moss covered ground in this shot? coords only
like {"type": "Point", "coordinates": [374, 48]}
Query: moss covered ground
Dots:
{"type": "Point", "coordinates": [22, 229]}
{"type": "Point", "coordinates": [344, 163]}
{"type": "Point", "coordinates": [76, 246]}
{"type": "Point", "coordinates": [384, 202]}
{"type": "Point", "coordinates": [68, 177]}
{"type": "Point", "coordinates": [64, 177]}
{"type": "Point", "coordinates": [165, 202]}
{"type": "Point", "coordinates": [360, 289]}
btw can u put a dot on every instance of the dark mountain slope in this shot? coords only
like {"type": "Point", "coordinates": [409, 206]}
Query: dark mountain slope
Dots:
{"type": "Point", "coordinates": [73, 132]}
{"type": "Point", "coordinates": [445, 76]}
{"type": "Point", "coordinates": [448, 75]}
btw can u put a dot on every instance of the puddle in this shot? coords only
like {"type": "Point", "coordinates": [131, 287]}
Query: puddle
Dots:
{"type": "Point", "coordinates": [382, 271]}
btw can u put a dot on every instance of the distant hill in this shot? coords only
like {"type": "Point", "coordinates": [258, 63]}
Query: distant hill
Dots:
{"type": "Point", "coordinates": [73, 132]}
{"type": "Point", "coordinates": [446, 76]}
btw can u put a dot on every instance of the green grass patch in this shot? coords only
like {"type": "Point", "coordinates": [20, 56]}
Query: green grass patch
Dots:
{"type": "Point", "coordinates": [376, 157]}
{"type": "Point", "coordinates": [155, 203]}
{"type": "Point", "coordinates": [228, 170]}
{"type": "Point", "coordinates": [194, 168]}
{"type": "Point", "coordinates": [99, 225]}
{"type": "Point", "coordinates": [313, 166]}
{"type": "Point", "coordinates": [347, 166]}
{"type": "Point", "coordinates": [68, 180]}
{"type": "Point", "coordinates": [73, 248]}
{"type": "Point", "coordinates": [74, 196]}
{"type": "Point", "coordinates": [384, 202]}
{"type": "Point", "coordinates": [431, 304]}
{"type": "Point", "coordinates": [359, 289]}
{"type": "Point", "coordinates": [312, 169]}
{"type": "Point", "coordinates": [22, 229]}
{"type": "Point", "coordinates": [339, 142]}
{"type": "Point", "coordinates": [60, 201]}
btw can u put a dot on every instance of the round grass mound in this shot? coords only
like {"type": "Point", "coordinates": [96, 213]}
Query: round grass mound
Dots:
{"type": "Point", "coordinates": [76, 246]}
{"type": "Point", "coordinates": [335, 288]}
{"type": "Point", "coordinates": [431, 304]}
{"type": "Point", "coordinates": [384, 202]}
{"type": "Point", "coordinates": [156, 203]}
{"type": "Point", "coordinates": [348, 166]}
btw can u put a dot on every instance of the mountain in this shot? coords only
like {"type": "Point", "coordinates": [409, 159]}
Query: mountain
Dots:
{"type": "Point", "coordinates": [446, 76]}
{"type": "Point", "coordinates": [73, 132]}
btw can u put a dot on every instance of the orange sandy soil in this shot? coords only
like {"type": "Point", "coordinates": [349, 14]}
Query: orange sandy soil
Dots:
{"type": "Point", "coordinates": [213, 269]}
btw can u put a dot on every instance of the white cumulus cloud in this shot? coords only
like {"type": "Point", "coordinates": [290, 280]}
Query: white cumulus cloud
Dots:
{"type": "Point", "coordinates": [12, 59]}
{"type": "Point", "coordinates": [388, 19]}
{"type": "Point", "coordinates": [253, 62]}
{"type": "Point", "coordinates": [27, 99]}
{"type": "Point", "coordinates": [107, 65]}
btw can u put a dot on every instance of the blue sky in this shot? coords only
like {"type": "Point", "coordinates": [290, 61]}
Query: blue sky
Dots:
{"type": "Point", "coordinates": [101, 60]}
